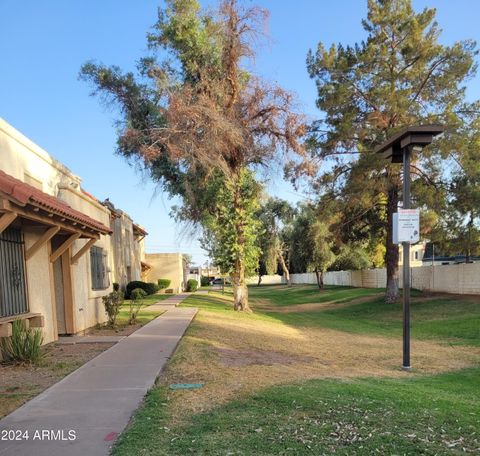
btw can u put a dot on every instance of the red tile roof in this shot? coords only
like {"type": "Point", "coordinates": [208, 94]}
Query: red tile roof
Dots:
{"type": "Point", "coordinates": [90, 196]}
{"type": "Point", "coordinates": [25, 194]}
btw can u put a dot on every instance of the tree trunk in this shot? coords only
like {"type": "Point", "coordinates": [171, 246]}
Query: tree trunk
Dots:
{"type": "Point", "coordinates": [391, 253]}
{"type": "Point", "coordinates": [240, 289]}
{"type": "Point", "coordinates": [469, 239]}
{"type": "Point", "coordinates": [285, 270]}
{"type": "Point", "coordinates": [319, 275]}
{"type": "Point", "coordinates": [259, 279]}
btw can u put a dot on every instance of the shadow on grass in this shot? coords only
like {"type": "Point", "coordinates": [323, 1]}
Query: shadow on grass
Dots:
{"type": "Point", "coordinates": [453, 320]}
{"type": "Point", "coordinates": [448, 319]}
{"type": "Point", "coordinates": [424, 415]}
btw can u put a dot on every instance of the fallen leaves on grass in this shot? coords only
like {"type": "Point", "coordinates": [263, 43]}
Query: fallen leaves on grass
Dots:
{"type": "Point", "coordinates": [235, 355]}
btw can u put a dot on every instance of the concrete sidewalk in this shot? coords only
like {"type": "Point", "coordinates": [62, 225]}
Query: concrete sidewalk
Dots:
{"type": "Point", "coordinates": [168, 303]}
{"type": "Point", "coordinates": [97, 400]}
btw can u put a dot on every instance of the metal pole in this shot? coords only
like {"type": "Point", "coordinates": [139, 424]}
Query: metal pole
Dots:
{"type": "Point", "coordinates": [406, 264]}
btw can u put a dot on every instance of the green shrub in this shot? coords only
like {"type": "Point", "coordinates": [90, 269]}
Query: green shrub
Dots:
{"type": "Point", "coordinates": [136, 303]}
{"type": "Point", "coordinates": [149, 288]}
{"type": "Point", "coordinates": [204, 281]}
{"type": "Point", "coordinates": [192, 285]}
{"type": "Point", "coordinates": [116, 286]}
{"type": "Point", "coordinates": [23, 345]}
{"type": "Point", "coordinates": [164, 283]}
{"type": "Point", "coordinates": [112, 303]}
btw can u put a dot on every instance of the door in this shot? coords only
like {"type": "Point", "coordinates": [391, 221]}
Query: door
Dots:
{"type": "Point", "coordinates": [59, 298]}
{"type": "Point", "coordinates": [59, 289]}
{"type": "Point", "coordinates": [62, 279]}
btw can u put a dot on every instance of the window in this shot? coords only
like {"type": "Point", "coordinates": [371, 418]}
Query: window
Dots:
{"type": "Point", "coordinates": [13, 289]}
{"type": "Point", "coordinates": [99, 268]}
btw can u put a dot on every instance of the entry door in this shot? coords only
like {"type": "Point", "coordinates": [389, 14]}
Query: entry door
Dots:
{"type": "Point", "coordinates": [62, 277]}
{"type": "Point", "coordinates": [59, 295]}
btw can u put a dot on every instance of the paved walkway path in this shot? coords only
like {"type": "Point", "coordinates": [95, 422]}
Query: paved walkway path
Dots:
{"type": "Point", "coordinates": [97, 400]}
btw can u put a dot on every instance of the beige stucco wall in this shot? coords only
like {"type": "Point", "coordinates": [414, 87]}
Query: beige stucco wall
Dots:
{"type": "Point", "coordinates": [127, 250]}
{"type": "Point", "coordinates": [26, 161]}
{"type": "Point", "coordinates": [166, 266]}
{"type": "Point", "coordinates": [88, 304]}
{"type": "Point", "coordinates": [21, 158]}
{"type": "Point", "coordinates": [138, 255]}
{"type": "Point", "coordinates": [417, 251]}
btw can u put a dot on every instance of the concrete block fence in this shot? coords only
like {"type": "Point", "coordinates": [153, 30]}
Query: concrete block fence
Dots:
{"type": "Point", "coordinates": [452, 278]}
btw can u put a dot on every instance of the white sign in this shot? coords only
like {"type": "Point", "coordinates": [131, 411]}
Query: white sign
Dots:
{"type": "Point", "coordinates": [406, 226]}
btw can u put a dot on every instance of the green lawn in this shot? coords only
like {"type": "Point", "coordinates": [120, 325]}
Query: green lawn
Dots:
{"type": "Point", "coordinates": [406, 415]}
{"type": "Point", "coordinates": [144, 316]}
{"type": "Point", "coordinates": [450, 319]}
{"type": "Point", "coordinates": [303, 294]}
{"type": "Point", "coordinates": [431, 415]}
{"type": "Point", "coordinates": [152, 299]}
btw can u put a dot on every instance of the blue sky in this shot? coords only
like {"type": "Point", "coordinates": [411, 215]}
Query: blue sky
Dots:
{"type": "Point", "coordinates": [43, 44]}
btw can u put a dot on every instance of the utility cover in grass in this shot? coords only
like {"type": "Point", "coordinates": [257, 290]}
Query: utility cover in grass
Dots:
{"type": "Point", "coordinates": [177, 386]}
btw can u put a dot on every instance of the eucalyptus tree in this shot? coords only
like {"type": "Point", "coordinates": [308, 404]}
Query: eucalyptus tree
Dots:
{"type": "Point", "coordinates": [400, 75]}
{"type": "Point", "coordinates": [200, 123]}
{"type": "Point", "coordinates": [276, 216]}
{"type": "Point", "coordinates": [312, 242]}
{"type": "Point", "coordinates": [321, 256]}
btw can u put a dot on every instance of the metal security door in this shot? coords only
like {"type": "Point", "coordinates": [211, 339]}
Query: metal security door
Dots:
{"type": "Point", "coordinates": [13, 290]}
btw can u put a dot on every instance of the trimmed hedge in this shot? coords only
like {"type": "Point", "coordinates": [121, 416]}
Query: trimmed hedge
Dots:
{"type": "Point", "coordinates": [149, 288]}
{"type": "Point", "coordinates": [204, 281]}
{"type": "Point", "coordinates": [164, 283]}
{"type": "Point", "coordinates": [192, 285]}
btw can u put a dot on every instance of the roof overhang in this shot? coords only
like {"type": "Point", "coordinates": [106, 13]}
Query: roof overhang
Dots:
{"type": "Point", "coordinates": [138, 230]}
{"type": "Point", "coordinates": [420, 135]}
{"type": "Point", "coordinates": [30, 203]}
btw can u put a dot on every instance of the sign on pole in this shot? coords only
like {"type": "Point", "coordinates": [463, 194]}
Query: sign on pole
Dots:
{"type": "Point", "coordinates": [406, 226]}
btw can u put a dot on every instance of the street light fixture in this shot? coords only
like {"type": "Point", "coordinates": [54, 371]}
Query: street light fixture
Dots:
{"type": "Point", "coordinates": [398, 149]}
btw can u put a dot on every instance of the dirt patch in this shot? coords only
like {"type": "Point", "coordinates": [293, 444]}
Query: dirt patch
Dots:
{"type": "Point", "coordinates": [123, 328]}
{"type": "Point", "coordinates": [120, 331]}
{"type": "Point", "coordinates": [20, 383]}
{"type": "Point", "coordinates": [230, 357]}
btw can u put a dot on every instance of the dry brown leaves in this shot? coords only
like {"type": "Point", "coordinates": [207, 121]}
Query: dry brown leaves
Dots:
{"type": "Point", "coordinates": [235, 355]}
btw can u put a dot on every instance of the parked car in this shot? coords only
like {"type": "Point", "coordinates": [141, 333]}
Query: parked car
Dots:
{"type": "Point", "coordinates": [221, 281]}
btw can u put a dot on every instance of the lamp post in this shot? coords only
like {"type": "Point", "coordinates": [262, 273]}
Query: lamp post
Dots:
{"type": "Point", "coordinates": [398, 149]}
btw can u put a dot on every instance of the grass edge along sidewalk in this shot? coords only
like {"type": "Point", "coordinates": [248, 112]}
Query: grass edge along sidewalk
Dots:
{"type": "Point", "coordinates": [428, 414]}
{"type": "Point", "coordinates": [97, 400]}
{"type": "Point", "coordinates": [21, 383]}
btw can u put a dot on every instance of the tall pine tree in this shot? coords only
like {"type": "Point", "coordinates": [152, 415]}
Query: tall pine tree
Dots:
{"type": "Point", "coordinates": [399, 76]}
